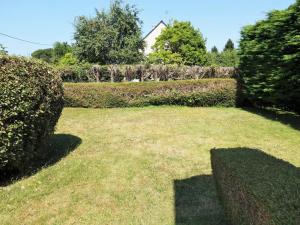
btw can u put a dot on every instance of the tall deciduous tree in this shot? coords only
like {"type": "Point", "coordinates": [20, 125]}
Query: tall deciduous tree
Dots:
{"type": "Point", "coordinates": [112, 37]}
{"type": "Point", "coordinates": [43, 54]}
{"type": "Point", "coordinates": [229, 46]}
{"type": "Point", "coordinates": [60, 49]}
{"type": "Point", "coordinates": [179, 43]}
{"type": "Point", "coordinates": [53, 55]}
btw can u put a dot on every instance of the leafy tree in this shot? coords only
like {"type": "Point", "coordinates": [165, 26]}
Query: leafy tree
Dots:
{"type": "Point", "coordinates": [164, 57]}
{"type": "Point", "coordinates": [179, 43]}
{"type": "Point", "coordinates": [43, 54]}
{"type": "Point", "coordinates": [3, 50]}
{"type": "Point", "coordinates": [60, 49]}
{"type": "Point", "coordinates": [112, 37]}
{"type": "Point", "coordinates": [215, 50]}
{"type": "Point", "coordinates": [68, 59]}
{"type": "Point", "coordinates": [223, 59]}
{"type": "Point", "coordinates": [229, 58]}
{"type": "Point", "coordinates": [212, 59]}
{"type": "Point", "coordinates": [53, 55]}
{"type": "Point", "coordinates": [229, 46]}
{"type": "Point", "coordinates": [270, 59]}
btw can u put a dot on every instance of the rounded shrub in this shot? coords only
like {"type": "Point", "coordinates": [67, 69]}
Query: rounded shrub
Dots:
{"type": "Point", "coordinates": [31, 101]}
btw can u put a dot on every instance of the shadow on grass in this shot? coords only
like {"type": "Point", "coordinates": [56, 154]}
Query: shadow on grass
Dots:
{"type": "Point", "coordinates": [196, 202]}
{"type": "Point", "coordinates": [58, 146]}
{"type": "Point", "coordinates": [249, 180]}
{"type": "Point", "coordinates": [286, 118]}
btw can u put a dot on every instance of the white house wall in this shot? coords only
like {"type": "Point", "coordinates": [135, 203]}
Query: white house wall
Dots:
{"type": "Point", "coordinates": [151, 38]}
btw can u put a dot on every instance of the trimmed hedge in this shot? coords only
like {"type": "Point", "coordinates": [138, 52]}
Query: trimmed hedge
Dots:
{"type": "Point", "coordinates": [206, 92]}
{"type": "Point", "coordinates": [256, 188]}
{"type": "Point", "coordinates": [31, 101]}
{"type": "Point", "coordinates": [118, 73]}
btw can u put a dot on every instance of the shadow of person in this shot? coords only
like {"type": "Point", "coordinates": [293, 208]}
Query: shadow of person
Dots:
{"type": "Point", "coordinates": [196, 202]}
{"type": "Point", "coordinates": [286, 118]}
{"type": "Point", "coordinates": [58, 146]}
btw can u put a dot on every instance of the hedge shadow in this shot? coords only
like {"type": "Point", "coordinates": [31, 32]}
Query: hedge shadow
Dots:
{"type": "Point", "coordinates": [58, 146]}
{"type": "Point", "coordinates": [196, 202]}
{"type": "Point", "coordinates": [286, 118]}
{"type": "Point", "coordinates": [255, 187]}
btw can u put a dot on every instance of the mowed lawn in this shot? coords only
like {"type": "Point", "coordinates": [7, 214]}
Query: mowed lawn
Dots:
{"type": "Point", "coordinates": [140, 166]}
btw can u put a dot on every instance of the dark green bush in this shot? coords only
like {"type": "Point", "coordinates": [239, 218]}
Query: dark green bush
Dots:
{"type": "Point", "coordinates": [30, 105]}
{"type": "Point", "coordinates": [270, 60]}
{"type": "Point", "coordinates": [256, 188]}
{"type": "Point", "coordinates": [205, 92]}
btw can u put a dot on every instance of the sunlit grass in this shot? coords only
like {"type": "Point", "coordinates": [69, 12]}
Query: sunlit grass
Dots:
{"type": "Point", "coordinates": [141, 166]}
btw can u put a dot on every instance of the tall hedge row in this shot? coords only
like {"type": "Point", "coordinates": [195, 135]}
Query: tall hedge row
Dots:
{"type": "Point", "coordinates": [204, 92]}
{"type": "Point", "coordinates": [31, 101]}
{"type": "Point", "coordinates": [270, 59]}
{"type": "Point", "coordinates": [118, 73]}
{"type": "Point", "coordinates": [256, 188]}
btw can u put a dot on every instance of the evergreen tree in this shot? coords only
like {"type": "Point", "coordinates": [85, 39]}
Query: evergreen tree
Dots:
{"type": "Point", "coordinates": [229, 46]}
{"type": "Point", "coordinates": [214, 50]}
{"type": "Point", "coordinates": [270, 59]}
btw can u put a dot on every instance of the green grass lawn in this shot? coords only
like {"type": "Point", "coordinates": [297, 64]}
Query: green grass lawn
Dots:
{"type": "Point", "coordinates": [139, 166]}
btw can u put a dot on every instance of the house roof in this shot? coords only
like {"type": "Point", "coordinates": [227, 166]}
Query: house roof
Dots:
{"type": "Point", "coordinates": [161, 22]}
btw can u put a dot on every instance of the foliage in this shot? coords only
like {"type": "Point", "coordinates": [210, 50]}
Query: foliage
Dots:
{"type": "Point", "coordinates": [69, 59]}
{"type": "Point", "coordinates": [256, 188]}
{"type": "Point", "coordinates": [53, 55]}
{"type": "Point", "coordinates": [43, 54]}
{"type": "Point", "coordinates": [206, 92]}
{"type": "Point", "coordinates": [270, 60]}
{"type": "Point", "coordinates": [84, 72]}
{"type": "Point", "coordinates": [223, 59]}
{"type": "Point", "coordinates": [229, 58]}
{"type": "Point", "coordinates": [3, 50]}
{"type": "Point", "coordinates": [179, 43]}
{"type": "Point", "coordinates": [112, 37]}
{"type": "Point", "coordinates": [136, 166]}
{"type": "Point", "coordinates": [229, 46]}
{"type": "Point", "coordinates": [214, 50]}
{"type": "Point", "coordinates": [60, 50]}
{"type": "Point", "coordinates": [30, 105]}
{"type": "Point", "coordinates": [164, 57]}
{"type": "Point", "coordinates": [76, 73]}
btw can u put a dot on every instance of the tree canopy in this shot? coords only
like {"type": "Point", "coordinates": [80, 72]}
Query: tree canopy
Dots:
{"type": "Point", "coordinates": [53, 55]}
{"type": "Point", "coordinates": [214, 50]}
{"type": "Point", "coordinates": [179, 43]}
{"type": "Point", "coordinates": [270, 59]}
{"type": "Point", "coordinates": [112, 37]}
{"type": "Point", "coordinates": [68, 60]}
{"type": "Point", "coordinates": [229, 46]}
{"type": "Point", "coordinates": [43, 54]}
{"type": "Point", "coordinates": [223, 59]}
{"type": "Point", "coordinates": [60, 49]}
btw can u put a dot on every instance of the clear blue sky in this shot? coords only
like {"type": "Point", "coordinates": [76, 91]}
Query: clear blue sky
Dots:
{"type": "Point", "coordinates": [47, 21]}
